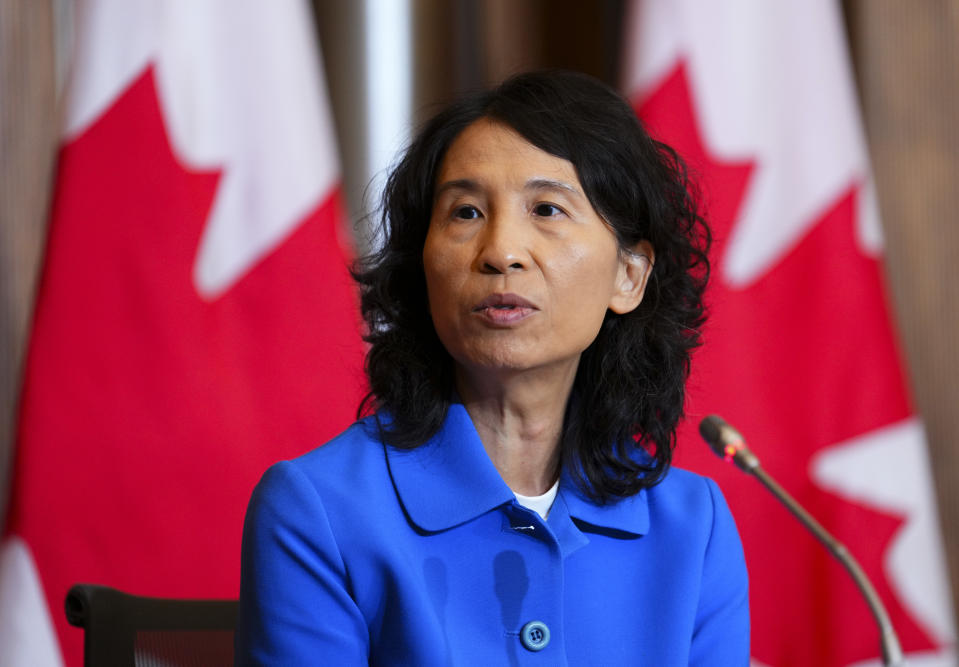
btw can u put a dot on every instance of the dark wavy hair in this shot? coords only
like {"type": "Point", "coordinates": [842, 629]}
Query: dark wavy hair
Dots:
{"type": "Point", "coordinates": [628, 395]}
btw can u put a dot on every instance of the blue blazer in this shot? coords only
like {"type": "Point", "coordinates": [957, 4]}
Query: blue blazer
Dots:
{"type": "Point", "coordinates": [358, 553]}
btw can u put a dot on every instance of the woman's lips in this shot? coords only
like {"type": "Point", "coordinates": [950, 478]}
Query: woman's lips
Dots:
{"type": "Point", "coordinates": [504, 309]}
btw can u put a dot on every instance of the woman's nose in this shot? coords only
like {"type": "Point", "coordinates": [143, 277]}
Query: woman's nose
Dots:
{"type": "Point", "coordinates": [503, 247]}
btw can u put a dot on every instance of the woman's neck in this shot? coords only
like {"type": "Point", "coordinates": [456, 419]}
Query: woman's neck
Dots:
{"type": "Point", "coordinates": [519, 418]}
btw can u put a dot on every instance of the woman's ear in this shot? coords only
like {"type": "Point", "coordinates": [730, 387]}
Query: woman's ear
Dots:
{"type": "Point", "coordinates": [635, 265]}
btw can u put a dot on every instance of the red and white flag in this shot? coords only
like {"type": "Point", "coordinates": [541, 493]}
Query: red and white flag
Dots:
{"type": "Point", "coordinates": [799, 353]}
{"type": "Point", "coordinates": [195, 320]}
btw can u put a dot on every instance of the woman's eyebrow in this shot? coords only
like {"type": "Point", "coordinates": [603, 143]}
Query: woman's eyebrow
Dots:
{"type": "Point", "coordinates": [465, 184]}
{"type": "Point", "coordinates": [550, 184]}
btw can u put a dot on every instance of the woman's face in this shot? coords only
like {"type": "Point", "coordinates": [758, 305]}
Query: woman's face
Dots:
{"type": "Point", "coordinates": [520, 269]}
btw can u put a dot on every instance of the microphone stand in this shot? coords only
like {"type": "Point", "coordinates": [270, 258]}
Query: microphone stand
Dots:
{"type": "Point", "coordinates": [727, 443]}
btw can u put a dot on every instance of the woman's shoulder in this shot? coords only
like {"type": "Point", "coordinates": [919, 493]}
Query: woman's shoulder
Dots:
{"type": "Point", "coordinates": [357, 442]}
{"type": "Point", "coordinates": [352, 463]}
{"type": "Point", "coordinates": [683, 481]}
{"type": "Point", "coordinates": [690, 497]}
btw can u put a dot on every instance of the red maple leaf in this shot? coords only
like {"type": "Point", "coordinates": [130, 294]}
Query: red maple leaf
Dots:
{"type": "Point", "coordinates": [801, 359]}
{"type": "Point", "coordinates": [149, 413]}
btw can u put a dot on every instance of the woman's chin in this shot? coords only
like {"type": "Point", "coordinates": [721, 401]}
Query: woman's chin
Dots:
{"type": "Point", "coordinates": [506, 363]}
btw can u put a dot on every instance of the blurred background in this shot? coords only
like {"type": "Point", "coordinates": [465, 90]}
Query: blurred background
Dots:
{"type": "Point", "coordinates": [389, 65]}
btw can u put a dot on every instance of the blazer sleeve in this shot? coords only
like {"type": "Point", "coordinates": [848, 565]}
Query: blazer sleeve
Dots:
{"type": "Point", "coordinates": [295, 601]}
{"type": "Point", "coordinates": [721, 634]}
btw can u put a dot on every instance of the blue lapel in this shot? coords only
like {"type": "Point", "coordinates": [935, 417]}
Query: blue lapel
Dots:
{"type": "Point", "coordinates": [450, 479]}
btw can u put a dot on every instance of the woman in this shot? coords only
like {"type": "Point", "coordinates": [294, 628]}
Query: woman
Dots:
{"type": "Point", "coordinates": [509, 501]}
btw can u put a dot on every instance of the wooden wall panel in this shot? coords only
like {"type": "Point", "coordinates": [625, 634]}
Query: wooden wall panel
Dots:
{"type": "Point", "coordinates": [907, 61]}
{"type": "Point", "coordinates": [27, 144]}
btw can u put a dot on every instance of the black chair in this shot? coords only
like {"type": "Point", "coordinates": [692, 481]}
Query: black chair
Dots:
{"type": "Point", "coordinates": [122, 630]}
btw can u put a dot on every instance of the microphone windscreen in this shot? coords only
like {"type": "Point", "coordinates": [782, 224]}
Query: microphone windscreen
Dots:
{"type": "Point", "coordinates": [710, 428]}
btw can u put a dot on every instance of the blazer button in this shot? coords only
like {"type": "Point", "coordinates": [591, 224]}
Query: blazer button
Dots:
{"type": "Point", "coordinates": [534, 636]}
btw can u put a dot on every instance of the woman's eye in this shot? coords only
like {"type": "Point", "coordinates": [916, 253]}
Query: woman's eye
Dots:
{"type": "Point", "coordinates": [547, 210]}
{"type": "Point", "coordinates": [466, 213]}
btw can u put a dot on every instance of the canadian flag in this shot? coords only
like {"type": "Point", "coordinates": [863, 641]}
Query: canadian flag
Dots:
{"type": "Point", "coordinates": [195, 320]}
{"type": "Point", "coordinates": [799, 353]}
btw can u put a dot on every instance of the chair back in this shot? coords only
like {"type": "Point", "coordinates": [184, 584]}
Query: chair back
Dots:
{"type": "Point", "coordinates": [123, 630]}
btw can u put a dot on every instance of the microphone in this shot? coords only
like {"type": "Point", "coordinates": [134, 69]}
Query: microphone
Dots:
{"type": "Point", "coordinates": [727, 443]}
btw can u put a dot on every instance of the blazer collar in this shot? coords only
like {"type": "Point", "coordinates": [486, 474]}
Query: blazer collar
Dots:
{"type": "Point", "coordinates": [626, 515]}
{"type": "Point", "coordinates": [450, 480]}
